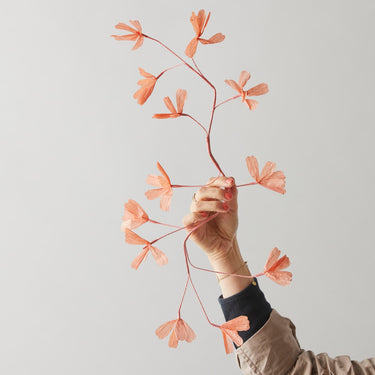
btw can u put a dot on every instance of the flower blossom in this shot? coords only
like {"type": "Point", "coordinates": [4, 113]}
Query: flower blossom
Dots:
{"type": "Point", "coordinates": [199, 23]}
{"type": "Point", "coordinates": [134, 216]}
{"type": "Point", "coordinates": [135, 33]}
{"type": "Point", "coordinates": [147, 87]}
{"type": "Point", "coordinates": [180, 332]}
{"type": "Point", "coordinates": [273, 268]}
{"type": "Point", "coordinates": [260, 89]}
{"type": "Point", "coordinates": [230, 332]}
{"type": "Point", "coordinates": [134, 239]}
{"type": "Point", "coordinates": [165, 188]}
{"type": "Point", "coordinates": [181, 96]}
{"type": "Point", "coordinates": [268, 178]}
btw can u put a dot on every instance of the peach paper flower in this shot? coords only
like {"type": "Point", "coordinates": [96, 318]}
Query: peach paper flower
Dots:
{"type": "Point", "coordinates": [134, 239]}
{"type": "Point", "coordinates": [165, 189]}
{"type": "Point", "coordinates": [199, 23]}
{"type": "Point", "coordinates": [268, 178]}
{"type": "Point", "coordinates": [147, 87]}
{"type": "Point", "coordinates": [134, 215]}
{"type": "Point", "coordinates": [273, 268]}
{"type": "Point", "coordinates": [180, 332]}
{"type": "Point", "coordinates": [181, 96]}
{"type": "Point", "coordinates": [230, 332]}
{"type": "Point", "coordinates": [135, 33]}
{"type": "Point", "coordinates": [260, 89]}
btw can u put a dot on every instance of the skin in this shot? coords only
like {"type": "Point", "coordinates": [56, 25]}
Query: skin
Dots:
{"type": "Point", "coordinates": [217, 238]}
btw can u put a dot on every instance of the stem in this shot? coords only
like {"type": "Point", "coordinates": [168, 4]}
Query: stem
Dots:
{"type": "Point", "coordinates": [228, 100]}
{"type": "Point", "coordinates": [166, 70]}
{"type": "Point", "coordinates": [185, 186]}
{"type": "Point", "coordinates": [168, 234]}
{"type": "Point", "coordinates": [250, 183]}
{"type": "Point", "coordinates": [183, 297]}
{"type": "Point", "coordinates": [168, 225]}
{"type": "Point", "coordinates": [208, 141]}
{"type": "Point", "coordinates": [191, 117]}
{"type": "Point", "coordinates": [196, 66]}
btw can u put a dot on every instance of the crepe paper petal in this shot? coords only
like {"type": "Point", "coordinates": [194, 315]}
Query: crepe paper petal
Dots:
{"type": "Point", "coordinates": [269, 178]}
{"type": "Point", "coordinates": [147, 87]}
{"type": "Point", "coordinates": [199, 23]}
{"type": "Point", "coordinates": [260, 89]}
{"type": "Point", "coordinates": [135, 33]}
{"type": "Point", "coordinates": [179, 330]}
{"type": "Point", "coordinates": [181, 96]}
{"type": "Point", "coordinates": [160, 258]}
{"type": "Point", "coordinates": [139, 258]}
{"type": "Point", "coordinates": [134, 215]}
{"type": "Point", "coordinates": [244, 77]}
{"type": "Point", "coordinates": [165, 191]}
{"type": "Point", "coordinates": [133, 238]}
{"type": "Point", "coordinates": [274, 266]}
{"type": "Point", "coordinates": [230, 332]}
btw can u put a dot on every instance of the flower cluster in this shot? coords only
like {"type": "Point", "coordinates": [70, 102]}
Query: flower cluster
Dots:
{"type": "Point", "coordinates": [135, 215]}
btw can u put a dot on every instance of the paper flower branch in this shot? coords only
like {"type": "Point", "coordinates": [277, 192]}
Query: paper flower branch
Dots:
{"type": "Point", "coordinates": [136, 216]}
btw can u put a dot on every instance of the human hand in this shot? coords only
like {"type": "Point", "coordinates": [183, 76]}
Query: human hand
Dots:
{"type": "Point", "coordinates": [216, 237]}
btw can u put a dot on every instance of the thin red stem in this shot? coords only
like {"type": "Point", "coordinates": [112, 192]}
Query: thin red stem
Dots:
{"type": "Point", "coordinates": [250, 183]}
{"type": "Point", "coordinates": [191, 117]}
{"type": "Point", "coordinates": [228, 100]}
{"type": "Point", "coordinates": [166, 70]}
{"type": "Point", "coordinates": [183, 297]}
{"type": "Point", "coordinates": [168, 234]}
{"type": "Point", "coordinates": [168, 225]}
{"type": "Point", "coordinates": [196, 66]}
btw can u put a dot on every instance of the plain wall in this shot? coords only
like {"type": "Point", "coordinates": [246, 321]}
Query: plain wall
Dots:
{"type": "Point", "coordinates": [75, 146]}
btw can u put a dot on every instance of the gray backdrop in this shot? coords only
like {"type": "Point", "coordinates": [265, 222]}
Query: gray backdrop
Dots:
{"type": "Point", "coordinates": [75, 146]}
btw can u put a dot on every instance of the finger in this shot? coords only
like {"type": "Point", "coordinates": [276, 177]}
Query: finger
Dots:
{"type": "Point", "coordinates": [221, 181]}
{"type": "Point", "coordinates": [213, 193]}
{"type": "Point", "coordinates": [193, 218]}
{"type": "Point", "coordinates": [209, 206]}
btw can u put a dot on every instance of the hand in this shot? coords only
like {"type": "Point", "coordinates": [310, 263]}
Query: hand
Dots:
{"type": "Point", "coordinates": [217, 236]}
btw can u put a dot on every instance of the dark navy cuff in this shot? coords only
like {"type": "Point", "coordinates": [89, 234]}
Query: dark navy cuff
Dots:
{"type": "Point", "coordinates": [251, 303]}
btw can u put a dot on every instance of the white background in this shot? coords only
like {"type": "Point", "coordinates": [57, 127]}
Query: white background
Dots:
{"type": "Point", "coordinates": [75, 146]}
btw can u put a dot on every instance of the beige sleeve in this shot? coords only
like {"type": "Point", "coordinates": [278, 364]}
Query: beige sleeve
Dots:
{"type": "Point", "coordinates": [274, 349]}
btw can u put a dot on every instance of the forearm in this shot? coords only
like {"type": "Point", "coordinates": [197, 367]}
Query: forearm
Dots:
{"type": "Point", "coordinates": [231, 262]}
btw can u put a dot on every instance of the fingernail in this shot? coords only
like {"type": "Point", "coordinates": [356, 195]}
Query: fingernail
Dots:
{"type": "Point", "coordinates": [204, 214]}
{"type": "Point", "coordinates": [228, 196]}
{"type": "Point", "coordinates": [225, 206]}
{"type": "Point", "coordinates": [229, 181]}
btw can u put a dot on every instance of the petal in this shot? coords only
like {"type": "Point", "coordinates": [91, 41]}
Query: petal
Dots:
{"type": "Point", "coordinates": [153, 180]}
{"type": "Point", "coordinates": [181, 96]}
{"type": "Point", "coordinates": [173, 340]}
{"type": "Point", "coordinates": [164, 330]}
{"type": "Point", "coordinates": [206, 22]}
{"type": "Point", "coordinates": [138, 43]}
{"type": "Point", "coordinates": [190, 335]}
{"type": "Point", "coordinates": [200, 21]}
{"type": "Point", "coordinates": [165, 115]}
{"type": "Point", "coordinates": [154, 193]}
{"type": "Point", "coordinates": [233, 84]}
{"type": "Point", "coordinates": [165, 200]}
{"type": "Point", "coordinates": [241, 323]}
{"type": "Point", "coordinates": [236, 338]}
{"type": "Point", "coordinates": [194, 22]}
{"type": "Point", "coordinates": [169, 104]}
{"type": "Point", "coordinates": [282, 278]}
{"type": "Point", "coordinates": [251, 103]}
{"type": "Point", "coordinates": [137, 25]}
{"type": "Point", "coordinates": [253, 167]}
{"type": "Point", "coordinates": [260, 89]}
{"type": "Point", "coordinates": [267, 170]}
{"type": "Point", "coordinates": [244, 77]}
{"type": "Point", "coordinates": [163, 172]}
{"type": "Point", "coordinates": [181, 330]}
{"type": "Point", "coordinates": [227, 343]}
{"type": "Point", "coordinates": [159, 256]}
{"type": "Point", "coordinates": [126, 224]}
{"type": "Point", "coordinates": [125, 37]}
{"type": "Point", "coordinates": [191, 48]}
{"type": "Point", "coordinates": [139, 258]}
{"type": "Point", "coordinates": [123, 26]}
{"type": "Point", "coordinates": [217, 38]}
{"type": "Point", "coordinates": [143, 94]}
{"type": "Point", "coordinates": [272, 258]}
{"type": "Point", "coordinates": [133, 238]}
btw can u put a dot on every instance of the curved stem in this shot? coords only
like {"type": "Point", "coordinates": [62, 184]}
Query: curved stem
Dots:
{"type": "Point", "coordinates": [183, 297]}
{"type": "Point", "coordinates": [196, 66]}
{"type": "Point", "coordinates": [228, 100]}
{"type": "Point", "coordinates": [198, 123]}
{"type": "Point", "coordinates": [168, 234]}
{"type": "Point", "coordinates": [166, 70]}
{"type": "Point", "coordinates": [168, 225]}
{"type": "Point", "coordinates": [250, 183]}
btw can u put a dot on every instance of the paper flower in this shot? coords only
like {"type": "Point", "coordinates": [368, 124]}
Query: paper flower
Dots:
{"type": "Point", "coordinates": [199, 23]}
{"type": "Point", "coordinates": [268, 178]}
{"type": "Point", "coordinates": [230, 332]}
{"type": "Point", "coordinates": [260, 89]}
{"type": "Point", "coordinates": [135, 33]}
{"type": "Point", "coordinates": [273, 268]}
{"type": "Point", "coordinates": [181, 96]}
{"type": "Point", "coordinates": [134, 215]}
{"type": "Point", "coordinates": [165, 189]}
{"type": "Point", "coordinates": [147, 87]}
{"type": "Point", "coordinates": [134, 239]}
{"type": "Point", "coordinates": [180, 332]}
